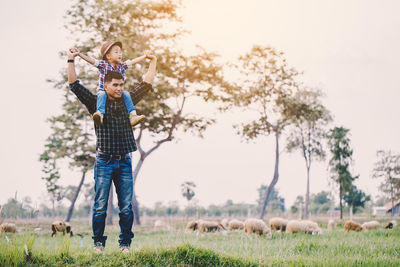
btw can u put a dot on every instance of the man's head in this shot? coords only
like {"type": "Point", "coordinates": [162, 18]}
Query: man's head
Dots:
{"type": "Point", "coordinates": [113, 84]}
{"type": "Point", "coordinates": [111, 51]}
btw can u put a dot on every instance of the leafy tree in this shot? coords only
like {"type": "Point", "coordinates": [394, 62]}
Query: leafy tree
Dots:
{"type": "Point", "coordinates": [309, 131]}
{"type": "Point", "coordinates": [139, 26]}
{"type": "Point", "coordinates": [187, 189]}
{"type": "Point", "coordinates": [265, 87]}
{"type": "Point", "coordinates": [387, 167]}
{"type": "Point", "coordinates": [320, 202]}
{"type": "Point", "coordinates": [297, 205]}
{"type": "Point", "coordinates": [356, 199]}
{"type": "Point", "coordinates": [339, 146]}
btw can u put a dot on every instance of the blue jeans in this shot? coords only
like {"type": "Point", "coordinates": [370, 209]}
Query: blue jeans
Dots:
{"type": "Point", "coordinates": [120, 172]}
{"type": "Point", "coordinates": [102, 98]}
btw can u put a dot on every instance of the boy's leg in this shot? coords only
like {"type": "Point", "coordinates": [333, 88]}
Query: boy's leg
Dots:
{"type": "Point", "coordinates": [124, 189]}
{"type": "Point", "coordinates": [133, 117]}
{"type": "Point", "coordinates": [100, 106]}
{"type": "Point", "coordinates": [103, 172]}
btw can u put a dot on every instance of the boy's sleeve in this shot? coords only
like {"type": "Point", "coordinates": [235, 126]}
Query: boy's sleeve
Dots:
{"type": "Point", "coordinates": [100, 64]}
{"type": "Point", "coordinates": [84, 95]}
{"type": "Point", "coordinates": [140, 91]}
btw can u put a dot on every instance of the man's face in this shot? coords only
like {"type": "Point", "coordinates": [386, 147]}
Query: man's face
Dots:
{"type": "Point", "coordinates": [114, 88]}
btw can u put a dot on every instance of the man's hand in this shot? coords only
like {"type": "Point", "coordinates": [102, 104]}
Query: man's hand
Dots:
{"type": "Point", "coordinates": [149, 55]}
{"type": "Point", "coordinates": [72, 53]}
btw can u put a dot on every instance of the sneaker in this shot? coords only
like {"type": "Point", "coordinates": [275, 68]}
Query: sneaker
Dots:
{"type": "Point", "coordinates": [98, 248]}
{"type": "Point", "coordinates": [98, 118]}
{"type": "Point", "coordinates": [135, 119]}
{"type": "Point", "coordinates": [124, 249]}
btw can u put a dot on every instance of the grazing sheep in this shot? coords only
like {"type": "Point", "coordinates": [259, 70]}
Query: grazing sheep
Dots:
{"type": "Point", "coordinates": [209, 226]}
{"type": "Point", "coordinates": [306, 227]}
{"type": "Point", "coordinates": [331, 225]}
{"type": "Point", "coordinates": [60, 226]}
{"type": "Point", "coordinates": [277, 223]}
{"type": "Point", "coordinates": [235, 225]}
{"type": "Point", "coordinates": [256, 226]}
{"type": "Point", "coordinates": [225, 222]}
{"type": "Point", "coordinates": [370, 225]}
{"type": "Point", "coordinates": [8, 228]}
{"type": "Point", "coordinates": [391, 224]}
{"type": "Point", "coordinates": [160, 225]}
{"type": "Point", "coordinates": [192, 225]}
{"type": "Point", "coordinates": [351, 225]}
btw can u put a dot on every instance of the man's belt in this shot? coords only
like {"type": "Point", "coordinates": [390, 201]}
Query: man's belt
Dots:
{"type": "Point", "coordinates": [107, 156]}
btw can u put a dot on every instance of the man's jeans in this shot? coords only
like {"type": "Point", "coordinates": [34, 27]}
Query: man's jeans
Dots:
{"type": "Point", "coordinates": [120, 172]}
{"type": "Point", "coordinates": [102, 98]}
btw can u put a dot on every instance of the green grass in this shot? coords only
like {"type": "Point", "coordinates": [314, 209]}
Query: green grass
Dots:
{"type": "Point", "coordinates": [179, 248]}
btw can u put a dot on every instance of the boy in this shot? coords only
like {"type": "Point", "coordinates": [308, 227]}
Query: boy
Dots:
{"type": "Point", "coordinates": [111, 53]}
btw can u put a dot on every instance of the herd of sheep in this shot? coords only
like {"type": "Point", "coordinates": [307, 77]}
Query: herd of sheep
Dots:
{"type": "Point", "coordinates": [249, 226]}
{"type": "Point", "coordinates": [259, 227]}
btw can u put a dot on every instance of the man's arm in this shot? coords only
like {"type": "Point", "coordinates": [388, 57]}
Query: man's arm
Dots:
{"type": "Point", "coordinates": [142, 89]}
{"type": "Point", "coordinates": [88, 59]}
{"type": "Point", "coordinates": [83, 94]}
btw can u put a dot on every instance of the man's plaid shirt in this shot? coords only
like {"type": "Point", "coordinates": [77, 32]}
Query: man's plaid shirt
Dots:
{"type": "Point", "coordinates": [104, 66]}
{"type": "Point", "coordinates": [115, 136]}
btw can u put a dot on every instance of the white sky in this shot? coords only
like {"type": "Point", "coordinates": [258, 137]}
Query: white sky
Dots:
{"type": "Point", "coordinates": [350, 49]}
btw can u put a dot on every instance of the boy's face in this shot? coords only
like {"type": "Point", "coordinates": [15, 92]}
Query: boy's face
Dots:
{"type": "Point", "coordinates": [114, 54]}
{"type": "Point", "coordinates": [114, 88]}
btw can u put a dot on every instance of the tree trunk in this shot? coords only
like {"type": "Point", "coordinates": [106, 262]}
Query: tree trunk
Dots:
{"type": "Point", "coordinates": [391, 195]}
{"type": "Point", "coordinates": [340, 201]}
{"type": "Point", "coordinates": [110, 206]}
{"type": "Point", "coordinates": [135, 204]}
{"type": "Point", "coordinates": [71, 208]}
{"type": "Point", "coordinates": [307, 194]}
{"type": "Point", "coordinates": [276, 173]}
{"type": "Point", "coordinates": [351, 212]}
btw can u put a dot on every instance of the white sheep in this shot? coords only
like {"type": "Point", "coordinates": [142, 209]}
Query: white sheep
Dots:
{"type": "Point", "coordinates": [235, 225]}
{"type": "Point", "coordinates": [8, 228]}
{"type": "Point", "coordinates": [209, 226]}
{"type": "Point", "coordinates": [257, 226]}
{"type": "Point", "coordinates": [391, 224]}
{"type": "Point", "coordinates": [306, 227]}
{"type": "Point", "coordinates": [370, 225]}
{"type": "Point", "coordinates": [277, 223]}
{"type": "Point", "coordinates": [60, 226]}
{"type": "Point", "coordinates": [331, 225]}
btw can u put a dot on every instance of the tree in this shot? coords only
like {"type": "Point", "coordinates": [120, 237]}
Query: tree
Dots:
{"type": "Point", "coordinates": [139, 26]}
{"type": "Point", "coordinates": [355, 198]}
{"type": "Point", "coordinates": [388, 167]}
{"type": "Point", "coordinates": [298, 205]}
{"type": "Point", "coordinates": [309, 132]}
{"type": "Point", "coordinates": [320, 202]}
{"type": "Point", "coordinates": [265, 87]}
{"type": "Point", "coordinates": [187, 189]}
{"type": "Point", "coordinates": [339, 146]}
{"type": "Point", "coordinates": [276, 203]}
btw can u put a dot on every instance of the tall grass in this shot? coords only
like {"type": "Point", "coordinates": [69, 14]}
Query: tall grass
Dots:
{"type": "Point", "coordinates": [180, 248]}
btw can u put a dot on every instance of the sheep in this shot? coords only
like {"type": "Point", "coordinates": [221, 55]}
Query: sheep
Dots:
{"type": "Point", "coordinates": [160, 225]}
{"type": "Point", "coordinates": [391, 224]}
{"type": "Point", "coordinates": [351, 225]}
{"type": "Point", "coordinates": [209, 226]}
{"type": "Point", "coordinates": [192, 225]}
{"type": "Point", "coordinates": [306, 227]}
{"type": "Point", "coordinates": [370, 225]}
{"type": "Point", "coordinates": [331, 225]}
{"type": "Point", "coordinates": [257, 226]}
{"type": "Point", "coordinates": [277, 223]}
{"type": "Point", "coordinates": [225, 222]}
{"type": "Point", "coordinates": [235, 225]}
{"type": "Point", "coordinates": [60, 226]}
{"type": "Point", "coordinates": [8, 228]}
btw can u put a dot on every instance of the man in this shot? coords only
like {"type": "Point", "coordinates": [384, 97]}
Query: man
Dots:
{"type": "Point", "coordinates": [114, 142]}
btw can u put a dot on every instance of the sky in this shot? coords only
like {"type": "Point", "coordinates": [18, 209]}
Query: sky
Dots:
{"type": "Point", "coordinates": [348, 49]}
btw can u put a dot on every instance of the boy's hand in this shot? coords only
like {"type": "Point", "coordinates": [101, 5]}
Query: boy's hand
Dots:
{"type": "Point", "coordinates": [74, 50]}
{"type": "Point", "coordinates": [72, 53]}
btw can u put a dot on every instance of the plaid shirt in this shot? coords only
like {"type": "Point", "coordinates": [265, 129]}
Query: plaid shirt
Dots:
{"type": "Point", "coordinates": [104, 66]}
{"type": "Point", "coordinates": [115, 136]}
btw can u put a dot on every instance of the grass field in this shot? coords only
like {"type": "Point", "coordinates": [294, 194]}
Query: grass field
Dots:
{"type": "Point", "coordinates": [176, 247]}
